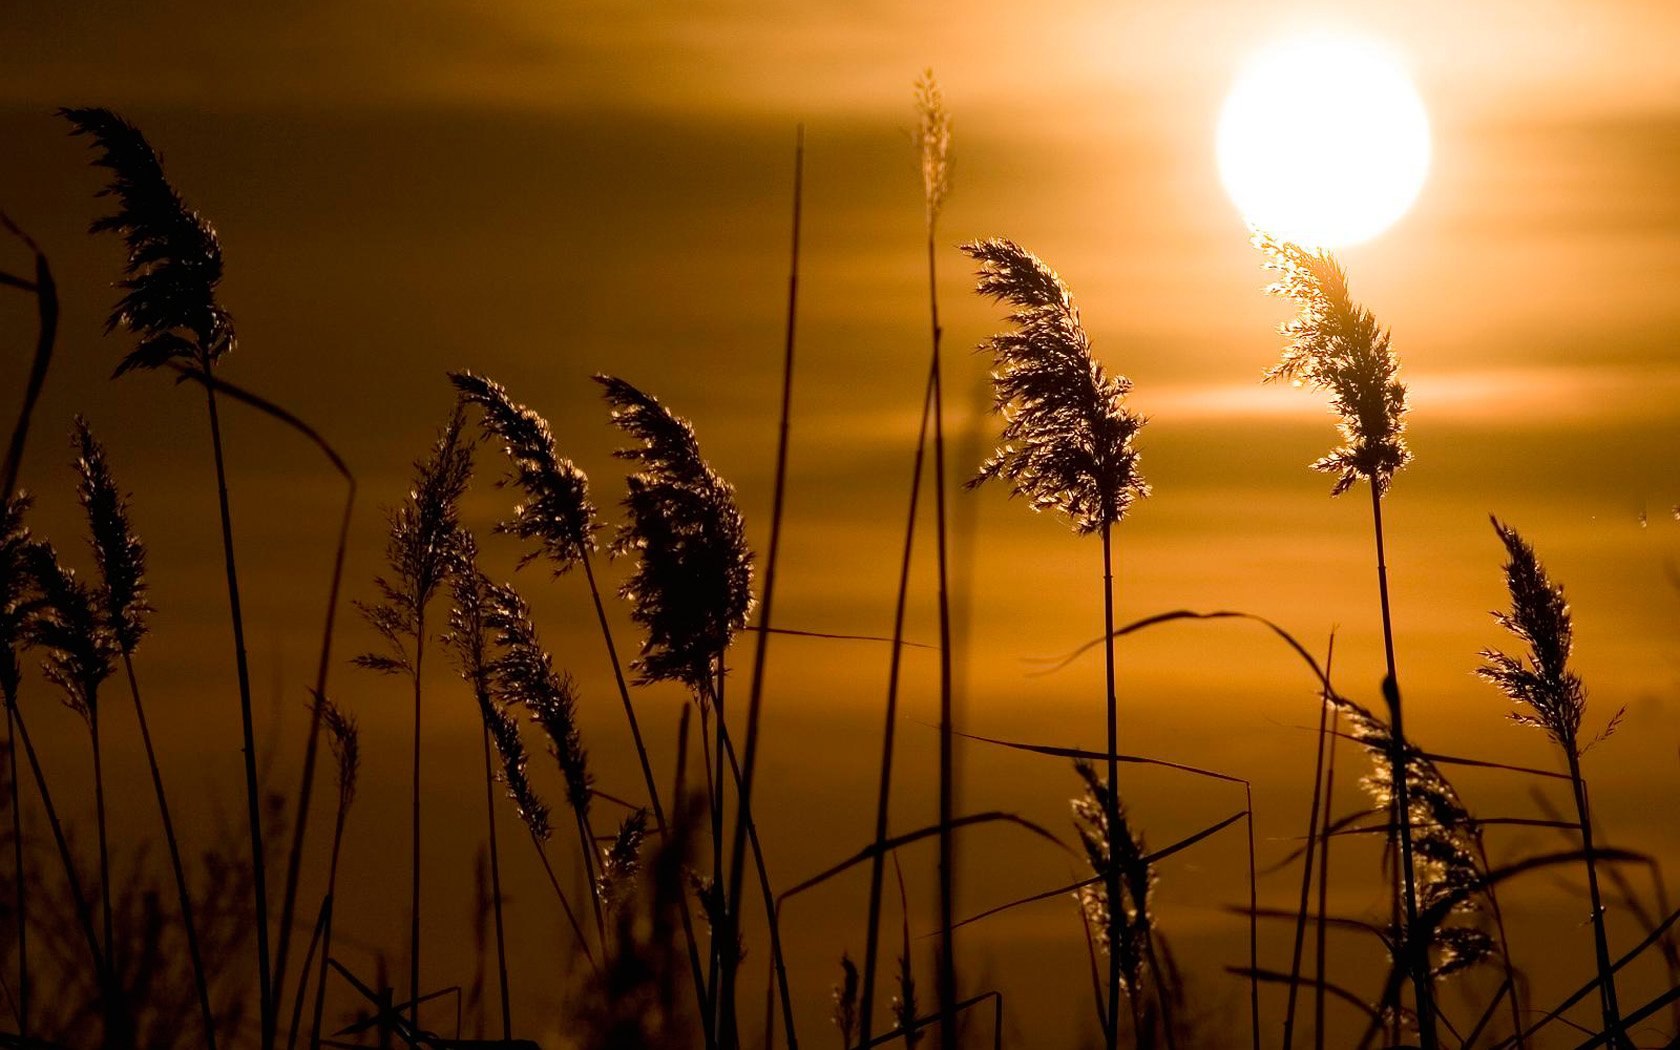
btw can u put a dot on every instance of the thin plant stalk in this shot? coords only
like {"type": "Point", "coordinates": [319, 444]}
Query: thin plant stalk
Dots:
{"type": "Point", "coordinates": [496, 886]}
{"type": "Point", "coordinates": [883, 796]}
{"type": "Point", "coordinates": [253, 792]}
{"type": "Point", "coordinates": [45, 292]}
{"type": "Point", "coordinates": [1321, 945]}
{"type": "Point", "coordinates": [1416, 955]}
{"type": "Point", "coordinates": [1607, 980]}
{"type": "Point", "coordinates": [1253, 923]}
{"type": "Point", "coordinates": [1306, 882]}
{"type": "Point", "coordinates": [189, 926]}
{"type": "Point", "coordinates": [1113, 798]}
{"type": "Point", "coordinates": [22, 897]}
{"type": "Point", "coordinates": [100, 827]}
{"type": "Point", "coordinates": [347, 750]}
{"type": "Point", "coordinates": [414, 832]}
{"type": "Point", "coordinates": [755, 699]}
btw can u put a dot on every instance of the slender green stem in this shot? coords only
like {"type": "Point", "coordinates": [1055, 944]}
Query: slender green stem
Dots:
{"type": "Point", "coordinates": [1112, 816]}
{"type": "Point", "coordinates": [866, 1008]}
{"type": "Point", "coordinates": [1615, 1035]}
{"type": "Point", "coordinates": [755, 699]}
{"type": "Point", "coordinates": [201, 985]}
{"type": "Point", "coordinates": [253, 792]}
{"type": "Point", "coordinates": [496, 885]}
{"type": "Point", "coordinates": [1416, 955]}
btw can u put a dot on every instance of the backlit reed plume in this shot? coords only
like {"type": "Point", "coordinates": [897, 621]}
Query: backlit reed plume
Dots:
{"type": "Point", "coordinates": [1336, 345]}
{"type": "Point", "coordinates": [1067, 446]}
{"type": "Point", "coordinates": [121, 559]}
{"type": "Point", "coordinates": [344, 740]}
{"type": "Point", "coordinates": [691, 590]}
{"type": "Point", "coordinates": [1550, 696]}
{"type": "Point", "coordinates": [1118, 856]}
{"type": "Point", "coordinates": [15, 542]}
{"type": "Point", "coordinates": [1448, 858]}
{"type": "Point", "coordinates": [524, 676]}
{"type": "Point", "coordinates": [169, 305]}
{"type": "Point", "coordinates": [621, 861]}
{"type": "Point", "coordinates": [692, 587]}
{"type": "Point", "coordinates": [69, 625]}
{"type": "Point", "coordinates": [557, 514]}
{"type": "Point", "coordinates": [845, 994]}
{"type": "Point", "coordinates": [422, 548]}
{"type": "Point", "coordinates": [469, 640]}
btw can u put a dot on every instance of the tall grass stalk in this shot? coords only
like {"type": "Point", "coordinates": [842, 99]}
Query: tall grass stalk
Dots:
{"type": "Point", "coordinates": [1067, 446]}
{"type": "Point", "coordinates": [755, 699]}
{"type": "Point", "coordinates": [1336, 346]}
{"type": "Point", "coordinates": [1307, 869]}
{"type": "Point", "coordinates": [423, 549]}
{"type": "Point", "coordinates": [1551, 697]}
{"type": "Point", "coordinates": [345, 742]}
{"type": "Point", "coordinates": [121, 558]}
{"type": "Point", "coordinates": [45, 291]}
{"type": "Point", "coordinates": [1323, 830]}
{"type": "Point", "coordinates": [173, 267]}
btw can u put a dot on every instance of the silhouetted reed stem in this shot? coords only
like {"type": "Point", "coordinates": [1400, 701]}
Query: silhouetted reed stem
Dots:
{"type": "Point", "coordinates": [253, 795]}
{"type": "Point", "coordinates": [189, 927]}
{"type": "Point", "coordinates": [755, 699]}
{"type": "Point", "coordinates": [99, 824]}
{"type": "Point", "coordinates": [496, 885]}
{"type": "Point", "coordinates": [45, 292]}
{"type": "Point", "coordinates": [110, 1000]}
{"type": "Point", "coordinates": [647, 777]}
{"type": "Point", "coordinates": [327, 927]}
{"type": "Point", "coordinates": [1113, 799]}
{"type": "Point", "coordinates": [20, 883]}
{"type": "Point", "coordinates": [1614, 1032]}
{"type": "Point", "coordinates": [1323, 829]}
{"type": "Point", "coordinates": [565, 902]}
{"type": "Point", "coordinates": [1306, 883]}
{"type": "Point", "coordinates": [414, 832]}
{"type": "Point", "coordinates": [947, 750]}
{"type": "Point", "coordinates": [1416, 957]}
{"type": "Point", "coordinates": [883, 796]}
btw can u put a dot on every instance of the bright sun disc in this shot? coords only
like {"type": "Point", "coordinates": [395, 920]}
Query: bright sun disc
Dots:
{"type": "Point", "coordinates": [1323, 140]}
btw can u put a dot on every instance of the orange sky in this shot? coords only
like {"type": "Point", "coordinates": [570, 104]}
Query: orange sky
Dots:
{"type": "Point", "coordinates": [543, 191]}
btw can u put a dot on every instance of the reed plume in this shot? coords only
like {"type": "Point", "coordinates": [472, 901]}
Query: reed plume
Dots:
{"type": "Point", "coordinates": [121, 559]}
{"type": "Point", "coordinates": [524, 676]}
{"type": "Point", "coordinates": [169, 304]}
{"type": "Point", "coordinates": [1067, 446]}
{"type": "Point", "coordinates": [423, 549]}
{"type": "Point", "coordinates": [692, 587]}
{"type": "Point", "coordinates": [845, 994]}
{"type": "Point", "coordinates": [81, 650]}
{"type": "Point", "coordinates": [621, 861]}
{"type": "Point", "coordinates": [1336, 345]}
{"type": "Point", "coordinates": [469, 639]}
{"type": "Point", "coordinates": [1549, 696]}
{"type": "Point", "coordinates": [1121, 923]}
{"type": "Point", "coordinates": [15, 591]}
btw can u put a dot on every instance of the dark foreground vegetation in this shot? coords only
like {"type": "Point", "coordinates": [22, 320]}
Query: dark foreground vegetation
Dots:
{"type": "Point", "coordinates": [211, 942]}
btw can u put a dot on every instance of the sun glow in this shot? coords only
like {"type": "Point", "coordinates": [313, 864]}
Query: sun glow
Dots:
{"type": "Point", "coordinates": [1323, 140]}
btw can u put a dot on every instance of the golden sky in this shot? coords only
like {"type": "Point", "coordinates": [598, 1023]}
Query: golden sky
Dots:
{"type": "Point", "coordinates": [543, 190]}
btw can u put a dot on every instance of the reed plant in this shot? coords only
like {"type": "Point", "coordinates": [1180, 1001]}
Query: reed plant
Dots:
{"type": "Point", "coordinates": [169, 305]}
{"type": "Point", "coordinates": [423, 549]}
{"type": "Point", "coordinates": [1067, 446]}
{"type": "Point", "coordinates": [1550, 696]}
{"type": "Point", "coordinates": [1336, 346]}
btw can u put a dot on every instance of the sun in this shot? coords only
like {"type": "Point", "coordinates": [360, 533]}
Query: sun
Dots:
{"type": "Point", "coordinates": [1323, 140]}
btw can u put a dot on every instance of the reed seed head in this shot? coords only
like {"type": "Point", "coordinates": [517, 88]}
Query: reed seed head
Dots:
{"type": "Point", "coordinates": [345, 741]}
{"type": "Point", "coordinates": [623, 859]}
{"type": "Point", "coordinates": [1067, 442]}
{"type": "Point", "coordinates": [117, 551]}
{"type": "Point", "coordinates": [556, 511]}
{"type": "Point", "coordinates": [524, 675]}
{"type": "Point", "coordinates": [845, 1014]}
{"type": "Point", "coordinates": [68, 622]}
{"type": "Point", "coordinates": [1337, 346]}
{"type": "Point", "coordinates": [15, 589]}
{"type": "Point", "coordinates": [1108, 850]}
{"type": "Point", "coordinates": [692, 588]}
{"type": "Point", "coordinates": [422, 548]}
{"type": "Point", "coordinates": [1548, 695]}
{"type": "Point", "coordinates": [933, 141]}
{"type": "Point", "coordinates": [174, 259]}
